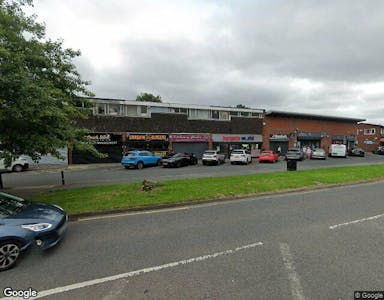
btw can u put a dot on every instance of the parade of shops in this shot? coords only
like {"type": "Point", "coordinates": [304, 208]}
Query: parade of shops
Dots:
{"type": "Point", "coordinates": [121, 125]}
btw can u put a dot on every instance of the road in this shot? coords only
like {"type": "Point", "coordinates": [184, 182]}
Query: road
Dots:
{"type": "Point", "coordinates": [31, 182]}
{"type": "Point", "coordinates": [322, 244]}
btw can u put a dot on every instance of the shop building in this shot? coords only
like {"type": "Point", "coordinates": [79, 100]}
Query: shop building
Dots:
{"type": "Point", "coordinates": [370, 136]}
{"type": "Point", "coordinates": [121, 125]}
{"type": "Point", "coordinates": [283, 130]}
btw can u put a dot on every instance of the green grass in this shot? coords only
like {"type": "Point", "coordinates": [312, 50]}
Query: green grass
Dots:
{"type": "Point", "coordinates": [100, 198]}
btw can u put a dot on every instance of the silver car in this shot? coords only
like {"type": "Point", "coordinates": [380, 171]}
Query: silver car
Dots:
{"type": "Point", "coordinates": [318, 153]}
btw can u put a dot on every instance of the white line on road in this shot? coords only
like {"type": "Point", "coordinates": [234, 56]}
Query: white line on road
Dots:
{"type": "Point", "coordinates": [356, 221]}
{"type": "Point", "coordinates": [296, 289]}
{"type": "Point", "coordinates": [88, 283]}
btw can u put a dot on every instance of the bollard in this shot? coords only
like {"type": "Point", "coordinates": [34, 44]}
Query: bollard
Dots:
{"type": "Point", "coordinates": [62, 178]}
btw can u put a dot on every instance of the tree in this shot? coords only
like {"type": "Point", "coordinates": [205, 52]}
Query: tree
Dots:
{"type": "Point", "coordinates": [147, 97]}
{"type": "Point", "coordinates": [241, 106]}
{"type": "Point", "coordinates": [39, 89]}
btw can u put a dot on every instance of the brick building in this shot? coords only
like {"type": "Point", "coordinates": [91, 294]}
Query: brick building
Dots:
{"type": "Point", "coordinates": [370, 136]}
{"type": "Point", "coordinates": [162, 126]}
{"type": "Point", "coordinates": [289, 130]}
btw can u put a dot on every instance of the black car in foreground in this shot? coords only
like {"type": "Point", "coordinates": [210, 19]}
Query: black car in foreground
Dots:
{"type": "Point", "coordinates": [356, 152]}
{"type": "Point", "coordinates": [24, 224]}
{"type": "Point", "coordinates": [180, 160]}
{"type": "Point", "coordinates": [379, 150]}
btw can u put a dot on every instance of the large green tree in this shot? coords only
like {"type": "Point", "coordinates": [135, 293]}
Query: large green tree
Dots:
{"type": "Point", "coordinates": [148, 97]}
{"type": "Point", "coordinates": [39, 88]}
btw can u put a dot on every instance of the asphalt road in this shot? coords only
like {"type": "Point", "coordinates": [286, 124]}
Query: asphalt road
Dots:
{"type": "Point", "coordinates": [322, 244]}
{"type": "Point", "coordinates": [31, 182]}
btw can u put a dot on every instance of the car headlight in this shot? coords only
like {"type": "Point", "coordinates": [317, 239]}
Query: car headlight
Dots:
{"type": "Point", "coordinates": [37, 227]}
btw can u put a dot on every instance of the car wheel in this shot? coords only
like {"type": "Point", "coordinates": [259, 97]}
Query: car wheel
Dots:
{"type": "Point", "coordinates": [127, 167]}
{"type": "Point", "coordinates": [179, 164]}
{"type": "Point", "coordinates": [140, 165]}
{"type": "Point", "coordinates": [9, 253]}
{"type": "Point", "coordinates": [17, 168]}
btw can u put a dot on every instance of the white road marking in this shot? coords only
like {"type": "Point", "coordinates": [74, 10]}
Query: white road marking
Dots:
{"type": "Point", "coordinates": [296, 288]}
{"type": "Point", "coordinates": [356, 221]}
{"type": "Point", "coordinates": [88, 283]}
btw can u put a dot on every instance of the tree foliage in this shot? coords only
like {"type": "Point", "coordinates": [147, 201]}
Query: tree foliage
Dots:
{"type": "Point", "coordinates": [39, 88]}
{"type": "Point", "coordinates": [147, 97]}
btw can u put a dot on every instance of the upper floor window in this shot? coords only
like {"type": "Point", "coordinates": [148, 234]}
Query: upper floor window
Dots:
{"type": "Point", "coordinates": [100, 109]}
{"type": "Point", "coordinates": [113, 109]}
{"type": "Point", "coordinates": [215, 114]}
{"type": "Point", "coordinates": [369, 131]}
{"type": "Point", "coordinates": [144, 109]}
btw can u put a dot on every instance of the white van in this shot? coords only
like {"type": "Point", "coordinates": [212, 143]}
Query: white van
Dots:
{"type": "Point", "coordinates": [18, 165]}
{"type": "Point", "coordinates": [338, 150]}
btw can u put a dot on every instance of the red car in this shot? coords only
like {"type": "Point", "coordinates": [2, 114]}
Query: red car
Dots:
{"type": "Point", "coordinates": [268, 156]}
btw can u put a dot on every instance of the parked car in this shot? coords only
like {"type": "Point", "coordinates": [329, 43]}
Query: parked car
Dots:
{"type": "Point", "coordinates": [180, 160]}
{"type": "Point", "coordinates": [338, 150]}
{"type": "Point", "coordinates": [24, 224]}
{"type": "Point", "coordinates": [213, 157]}
{"type": "Point", "coordinates": [356, 152]}
{"type": "Point", "coordinates": [18, 165]}
{"type": "Point", "coordinates": [318, 153]}
{"type": "Point", "coordinates": [294, 154]}
{"type": "Point", "coordinates": [380, 150]}
{"type": "Point", "coordinates": [268, 156]}
{"type": "Point", "coordinates": [240, 156]}
{"type": "Point", "coordinates": [140, 159]}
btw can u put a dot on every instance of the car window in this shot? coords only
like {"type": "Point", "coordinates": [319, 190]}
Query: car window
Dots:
{"type": "Point", "coordinates": [237, 152]}
{"type": "Point", "coordinates": [209, 152]}
{"type": "Point", "coordinates": [144, 153]}
{"type": "Point", "coordinates": [11, 205]}
{"type": "Point", "coordinates": [178, 155]}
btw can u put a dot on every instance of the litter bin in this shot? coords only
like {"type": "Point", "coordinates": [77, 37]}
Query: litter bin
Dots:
{"type": "Point", "coordinates": [291, 165]}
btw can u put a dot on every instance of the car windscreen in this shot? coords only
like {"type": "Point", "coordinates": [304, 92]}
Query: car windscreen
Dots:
{"type": "Point", "coordinates": [237, 152]}
{"type": "Point", "coordinates": [210, 152]}
{"type": "Point", "coordinates": [178, 155]}
{"type": "Point", "coordinates": [10, 205]}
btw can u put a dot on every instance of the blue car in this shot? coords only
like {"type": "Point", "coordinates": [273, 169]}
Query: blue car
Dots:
{"type": "Point", "coordinates": [24, 223]}
{"type": "Point", "coordinates": [140, 159]}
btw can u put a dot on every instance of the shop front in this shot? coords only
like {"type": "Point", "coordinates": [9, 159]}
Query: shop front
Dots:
{"type": "Point", "coordinates": [157, 143]}
{"type": "Point", "coordinates": [309, 139]}
{"type": "Point", "coordinates": [279, 141]}
{"type": "Point", "coordinates": [349, 140]}
{"type": "Point", "coordinates": [106, 143]}
{"type": "Point", "coordinates": [228, 142]}
{"type": "Point", "coordinates": [191, 143]}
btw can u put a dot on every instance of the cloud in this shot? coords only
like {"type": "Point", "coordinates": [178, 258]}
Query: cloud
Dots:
{"type": "Point", "coordinates": [322, 57]}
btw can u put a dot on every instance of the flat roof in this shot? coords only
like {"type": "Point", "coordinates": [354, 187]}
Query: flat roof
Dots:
{"type": "Point", "coordinates": [295, 115]}
{"type": "Point", "coordinates": [176, 105]}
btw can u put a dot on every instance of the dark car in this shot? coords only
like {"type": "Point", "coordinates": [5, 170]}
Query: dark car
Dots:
{"type": "Point", "coordinates": [24, 223]}
{"type": "Point", "coordinates": [180, 160]}
{"type": "Point", "coordinates": [380, 150]}
{"type": "Point", "coordinates": [356, 152]}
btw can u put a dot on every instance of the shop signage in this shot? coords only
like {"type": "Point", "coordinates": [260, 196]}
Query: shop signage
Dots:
{"type": "Point", "coordinates": [189, 138]}
{"type": "Point", "coordinates": [147, 137]}
{"type": "Point", "coordinates": [309, 135]}
{"type": "Point", "coordinates": [278, 137]}
{"type": "Point", "coordinates": [101, 139]}
{"type": "Point", "coordinates": [244, 138]}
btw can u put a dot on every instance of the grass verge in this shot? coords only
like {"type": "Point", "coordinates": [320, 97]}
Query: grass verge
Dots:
{"type": "Point", "coordinates": [100, 198]}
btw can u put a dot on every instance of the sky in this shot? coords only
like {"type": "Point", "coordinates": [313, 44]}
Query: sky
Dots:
{"type": "Point", "coordinates": [318, 57]}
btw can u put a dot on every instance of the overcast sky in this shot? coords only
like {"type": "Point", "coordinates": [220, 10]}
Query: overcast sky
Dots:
{"type": "Point", "coordinates": [321, 57]}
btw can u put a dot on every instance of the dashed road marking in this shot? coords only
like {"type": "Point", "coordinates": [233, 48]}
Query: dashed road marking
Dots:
{"type": "Point", "coordinates": [88, 283]}
{"type": "Point", "coordinates": [356, 221]}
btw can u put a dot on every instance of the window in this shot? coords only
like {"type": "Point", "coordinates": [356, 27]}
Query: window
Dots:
{"type": "Point", "coordinates": [180, 110]}
{"type": "Point", "coordinates": [215, 114]}
{"type": "Point", "coordinates": [114, 109]}
{"type": "Point", "coordinates": [224, 115]}
{"type": "Point", "coordinates": [100, 109]}
{"type": "Point", "coordinates": [234, 113]}
{"type": "Point", "coordinates": [198, 114]}
{"type": "Point", "coordinates": [369, 131]}
{"type": "Point", "coordinates": [244, 114]}
{"type": "Point", "coordinates": [144, 109]}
